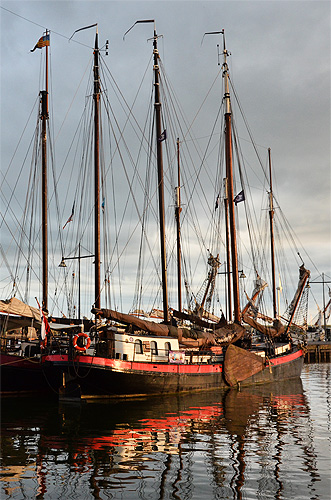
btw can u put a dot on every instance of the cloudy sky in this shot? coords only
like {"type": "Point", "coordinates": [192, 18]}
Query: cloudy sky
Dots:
{"type": "Point", "coordinates": [280, 63]}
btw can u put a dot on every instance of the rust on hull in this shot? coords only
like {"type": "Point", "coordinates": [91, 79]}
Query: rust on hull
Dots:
{"type": "Point", "coordinates": [244, 368]}
{"type": "Point", "coordinates": [240, 364]}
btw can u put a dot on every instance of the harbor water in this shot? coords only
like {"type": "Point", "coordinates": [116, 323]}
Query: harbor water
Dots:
{"type": "Point", "coordinates": [272, 442]}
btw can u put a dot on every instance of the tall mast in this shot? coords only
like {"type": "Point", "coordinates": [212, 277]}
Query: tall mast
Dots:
{"type": "Point", "coordinates": [44, 118]}
{"type": "Point", "coordinates": [157, 106]}
{"type": "Point", "coordinates": [272, 242]}
{"type": "Point", "coordinates": [178, 210]}
{"type": "Point", "coordinates": [96, 97]}
{"type": "Point", "coordinates": [227, 241]}
{"type": "Point", "coordinates": [229, 175]}
{"type": "Point", "coordinates": [159, 139]}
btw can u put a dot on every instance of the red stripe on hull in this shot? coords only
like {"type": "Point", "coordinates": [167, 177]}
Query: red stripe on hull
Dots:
{"type": "Point", "coordinates": [118, 365]}
{"type": "Point", "coordinates": [112, 377]}
{"type": "Point", "coordinates": [283, 368]}
{"type": "Point", "coordinates": [288, 357]}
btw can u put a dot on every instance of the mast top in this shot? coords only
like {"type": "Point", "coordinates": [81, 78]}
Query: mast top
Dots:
{"type": "Point", "coordinates": [85, 28]}
{"type": "Point", "coordinates": [212, 33]}
{"type": "Point", "coordinates": [139, 22]}
{"type": "Point", "coordinates": [225, 67]}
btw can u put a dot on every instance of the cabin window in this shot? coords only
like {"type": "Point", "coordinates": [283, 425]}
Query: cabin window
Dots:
{"type": "Point", "coordinates": [154, 348]}
{"type": "Point", "coordinates": [125, 357]}
{"type": "Point", "coordinates": [167, 348]}
{"type": "Point", "coordinates": [138, 346]}
{"type": "Point", "coordinates": [118, 355]}
{"type": "Point", "coordinates": [146, 346]}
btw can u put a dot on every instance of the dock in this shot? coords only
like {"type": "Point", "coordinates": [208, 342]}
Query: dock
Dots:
{"type": "Point", "coordinates": [318, 351]}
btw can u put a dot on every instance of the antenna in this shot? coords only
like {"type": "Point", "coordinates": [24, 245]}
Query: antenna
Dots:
{"type": "Point", "coordinates": [219, 53]}
{"type": "Point", "coordinates": [138, 22]}
{"type": "Point", "coordinates": [88, 27]}
{"type": "Point", "coordinates": [85, 28]}
{"type": "Point", "coordinates": [212, 33]}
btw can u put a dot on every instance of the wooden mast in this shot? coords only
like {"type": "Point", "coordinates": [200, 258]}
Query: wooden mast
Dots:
{"type": "Point", "coordinates": [229, 175]}
{"type": "Point", "coordinates": [44, 118]}
{"type": "Point", "coordinates": [227, 241]}
{"type": "Point", "coordinates": [178, 211]}
{"type": "Point", "coordinates": [272, 242]}
{"type": "Point", "coordinates": [96, 97]}
{"type": "Point", "coordinates": [159, 139]}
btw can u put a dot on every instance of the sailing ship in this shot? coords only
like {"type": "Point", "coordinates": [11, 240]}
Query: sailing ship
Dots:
{"type": "Point", "coordinates": [126, 355]}
{"type": "Point", "coordinates": [23, 327]}
{"type": "Point", "coordinates": [184, 350]}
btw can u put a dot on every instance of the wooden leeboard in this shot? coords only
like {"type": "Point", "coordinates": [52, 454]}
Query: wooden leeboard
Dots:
{"type": "Point", "coordinates": [240, 364]}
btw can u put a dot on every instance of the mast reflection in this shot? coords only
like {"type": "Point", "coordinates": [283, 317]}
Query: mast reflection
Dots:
{"type": "Point", "coordinates": [170, 445]}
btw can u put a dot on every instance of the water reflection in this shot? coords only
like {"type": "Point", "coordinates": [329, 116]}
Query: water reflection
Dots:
{"type": "Point", "coordinates": [220, 445]}
{"type": "Point", "coordinates": [273, 416]}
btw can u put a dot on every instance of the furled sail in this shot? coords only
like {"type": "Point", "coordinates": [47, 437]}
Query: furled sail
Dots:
{"type": "Point", "coordinates": [197, 320]}
{"type": "Point", "coordinates": [128, 319]}
{"type": "Point", "coordinates": [303, 276]}
{"type": "Point", "coordinates": [272, 331]}
{"type": "Point", "coordinates": [15, 315]}
{"type": "Point", "coordinates": [188, 337]}
{"type": "Point", "coordinates": [15, 306]}
{"type": "Point", "coordinates": [250, 313]}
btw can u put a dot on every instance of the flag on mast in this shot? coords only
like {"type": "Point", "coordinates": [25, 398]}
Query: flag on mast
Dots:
{"type": "Point", "coordinates": [163, 136]}
{"type": "Point", "coordinates": [71, 216]}
{"type": "Point", "coordinates": [42, 42]}
{"type": "Point", "coordinates": [240, 197]}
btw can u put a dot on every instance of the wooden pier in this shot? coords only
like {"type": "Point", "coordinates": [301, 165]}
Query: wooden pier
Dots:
{"type": "Point", "coordinates": [318, 352]}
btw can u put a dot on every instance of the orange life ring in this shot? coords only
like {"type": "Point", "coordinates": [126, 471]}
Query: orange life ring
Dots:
{"type": "Point", "coordinates": [86, 346]}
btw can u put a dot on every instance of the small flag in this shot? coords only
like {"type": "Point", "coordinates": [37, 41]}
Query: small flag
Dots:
{"type": "Point", "coordinates": [71, 216]}
{"type": "Point", "coordinates": [45, 328]}
{"type": "Point", "coordinates": [240, 197]}
{"type": "Point", "coordinates": [42, 42]}
{"type": "Point", "coordinates": [163, 136]}
{"type": "Point", "coordinates": [217, 202]}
